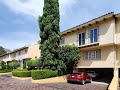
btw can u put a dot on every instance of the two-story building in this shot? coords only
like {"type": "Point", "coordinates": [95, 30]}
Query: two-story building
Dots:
{"type": "Point", "coordinates": [99, 43]}
{"type": "Point", "coordinates": [22, 54]}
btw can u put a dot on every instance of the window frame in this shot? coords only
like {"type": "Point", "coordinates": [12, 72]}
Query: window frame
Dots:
{"type": "Point", "coordinates": [62, 41]}
{"type": "Point", "coordinates": [93, 33]}
{"type": "Point", "coordinates": [92, 55]}
{"type": "Point", "coordinates": [81, 40]}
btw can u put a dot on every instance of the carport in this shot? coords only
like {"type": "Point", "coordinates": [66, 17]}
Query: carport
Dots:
{"type": "Point", "coordinates": [104, 74]}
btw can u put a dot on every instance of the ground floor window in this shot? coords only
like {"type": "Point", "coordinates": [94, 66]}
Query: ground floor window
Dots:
{"type": "Point", "coordinates": [92, 55]}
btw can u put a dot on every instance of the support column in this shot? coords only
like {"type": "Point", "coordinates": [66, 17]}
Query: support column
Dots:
{"type": "Point", "coordinates": [21, 64]}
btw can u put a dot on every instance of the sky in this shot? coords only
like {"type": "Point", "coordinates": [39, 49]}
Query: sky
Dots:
{"type": "Point", "coordinates": [19, 18]}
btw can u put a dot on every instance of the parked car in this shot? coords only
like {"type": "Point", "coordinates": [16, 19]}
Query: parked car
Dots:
{"type": "Point", "coordinates": [81, 77]}
{"type": "Point", "coordinates": [93, 74]}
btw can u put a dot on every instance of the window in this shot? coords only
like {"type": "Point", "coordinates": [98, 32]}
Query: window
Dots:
{"type": "Point", "coordinates": [94, 35]}
{"type": "Point", "coordinates": [19, 53]}
{"type": "Point", "coordinates": [62, 41]}
{"type": "Point", "coordinates": [82, 38]}
{"type": "Point", "coordinates": [14, 55]}
{"type": "Point", "coordinates": [25, 50]}
{"type": "Point", "coordinates": [92, 55]}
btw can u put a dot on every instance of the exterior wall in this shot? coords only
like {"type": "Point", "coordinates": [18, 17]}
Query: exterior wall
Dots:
{"type": "Point", "coordinates": [6, 58]}
{"type": "Point", "coordinates": [21, 55]}
{"type": "Point", "coordinates": [117, 33]}
{"type": "Point", "coordinates": [70, 38]}
{"type": "Point", "coordinates": [106, 32]}
{"type": "Point", "coordinates": [106, 36]}
{"type": "Point", "coordinates": [106, 61]}
{"type": "Point", "coordinates": [33, 51]}
{"type": "Point", "coordinates": [30, 52]}
{"type": "Point", "coordinates": [118, 55]}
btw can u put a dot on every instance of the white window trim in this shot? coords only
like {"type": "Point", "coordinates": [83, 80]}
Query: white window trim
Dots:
{"type": "Point", "coordinates": [91, 56]}
{"type": "Point", "coordinates": [81, 38]}
{"type": "Point", "coordinates": [93, 35]}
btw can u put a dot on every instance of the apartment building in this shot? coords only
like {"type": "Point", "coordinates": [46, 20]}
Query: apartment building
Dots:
{"type": "Point", "coordinates": [99, 43]}
{"type": "Point", "coordinates": [25, 53]}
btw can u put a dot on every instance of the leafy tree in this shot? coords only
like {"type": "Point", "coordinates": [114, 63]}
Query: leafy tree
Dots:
{"type": "Point", "coordinates": [2, 50]}
{"type": "Point", "coordinates": [33, 63]}
{"type": "Point", "coordinates": [70, 55]}
{"type": "Point", "coordinates": [2, 65]}
{"type": "Point", "coordinates": [14, 64]}
{"type": "Point", "coordinates": [49, 33]}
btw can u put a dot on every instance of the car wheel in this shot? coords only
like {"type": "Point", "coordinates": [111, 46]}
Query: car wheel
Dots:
{"type": "Point", "coordinates": [68, 81]}
{"type": "Point", "coordinates": [83, 82]}
{"type": "Point", "coordinates": [90, 80]}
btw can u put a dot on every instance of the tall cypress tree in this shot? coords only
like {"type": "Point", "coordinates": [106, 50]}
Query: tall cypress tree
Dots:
{"type": "Point", "coordinates": [49, 32]}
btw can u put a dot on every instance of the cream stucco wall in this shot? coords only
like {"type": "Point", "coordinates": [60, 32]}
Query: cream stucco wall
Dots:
{"type": "Point", "coordinates": [30, 52]}
{"type": "Point", "coordinates": [106, 36]}
{"type": "Point", "coordinates": [33, 51]}
{"type": "Point", "coordinates": [70, 38]}
{"type": "Point", "coordinates": [106, 61]}
{"type": "Point", "coordinates": [106, 32]}
{"type": "Point", "coordinates": [117, 33]}
{"type": "Point", "coordinates": [118, 55]}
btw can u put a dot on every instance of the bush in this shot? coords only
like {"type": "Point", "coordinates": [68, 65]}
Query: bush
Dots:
{"type": "Point", "coordinates": [8, 67]}
{"type": "Point", "coordinates": [14, 64]}
{"type": "Point", "coordinates": [33, 63]}
{"type": "Point", "coordinates": [21, 73]}
{"type": "Point", "coordinates": [2, 65]}
{"type": "Point", "coordinates": [42, 74]}
{"type": "Point", "coordinates": [5, 71]}
{"type": "Point", "coordinates": [70, 55]}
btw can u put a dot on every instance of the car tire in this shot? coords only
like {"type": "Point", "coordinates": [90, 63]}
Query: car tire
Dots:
{"type": "Point", "coordinates": [90, 80]}
{"type": "Point", "coordinates": [68, 81]}
{"type": "Point", "coordinates": [83, 82]}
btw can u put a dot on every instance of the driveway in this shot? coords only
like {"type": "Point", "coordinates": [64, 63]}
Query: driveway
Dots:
{"type": "Point", "coordinates": [8, 83]}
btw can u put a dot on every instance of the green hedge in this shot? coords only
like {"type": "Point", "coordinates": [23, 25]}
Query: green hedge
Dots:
{"type": "Point", "coordinates": [21, 73]}
{"type": "Point", "coordinates": [42, 74]}
{"type": "Point", "coordinates": [5, 71]}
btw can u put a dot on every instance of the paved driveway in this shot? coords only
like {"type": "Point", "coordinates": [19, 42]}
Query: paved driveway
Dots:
{"type": "Point", "coordinates": [8, 83]}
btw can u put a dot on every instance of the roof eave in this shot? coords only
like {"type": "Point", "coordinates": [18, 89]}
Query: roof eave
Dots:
{"type": "Point", "coordinates": [89, 23]}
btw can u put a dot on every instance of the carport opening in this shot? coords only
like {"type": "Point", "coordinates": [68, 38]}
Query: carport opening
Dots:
{"type": "Point", "coordinates": [103, 74]}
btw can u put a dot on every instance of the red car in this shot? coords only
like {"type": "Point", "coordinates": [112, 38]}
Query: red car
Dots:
{"type": "Point", "coordinates": [81, 77]}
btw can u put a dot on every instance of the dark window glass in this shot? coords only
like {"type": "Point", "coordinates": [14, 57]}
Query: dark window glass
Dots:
{"type": "Point", "coordinates": [91, 36]}
{"type": "Point", "coordinates": [94, 35]}
{"type": "Point", "coordinates": [81, 38]}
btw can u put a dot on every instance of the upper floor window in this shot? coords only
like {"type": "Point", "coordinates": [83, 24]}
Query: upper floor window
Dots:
{"type": "Point", "coordinates": [81, 38]}
{"type": "Point", "coordinates": [25, 50]}
{"type": "Point", "coordinates": [62, 41]}
{"type": "Point", "coordinates": [94, 35]}
{"type": "Point", "coordinates": [19, 53]}
{"type": "Point", "coordinates": [14, 55]}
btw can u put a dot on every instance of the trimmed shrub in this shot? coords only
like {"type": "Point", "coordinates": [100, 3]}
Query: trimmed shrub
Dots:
{"type": "Point", "coordinates": [42, 74]}
{"type": "Point", "coordinates": [21, 73]}
{"type": "Point", "coordinates": [5, 71]}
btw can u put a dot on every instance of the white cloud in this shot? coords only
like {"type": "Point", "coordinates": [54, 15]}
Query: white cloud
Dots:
{"type": "Point", "coordinates": [35, 7]}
